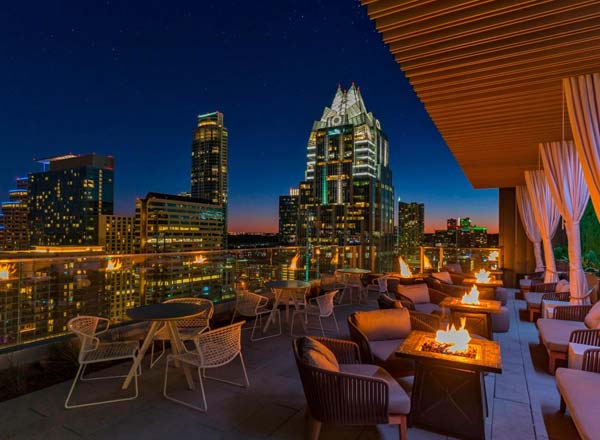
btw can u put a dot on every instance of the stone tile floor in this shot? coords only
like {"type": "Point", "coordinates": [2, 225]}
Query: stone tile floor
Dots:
{"type": "Point", "coordinates": [523, 401]}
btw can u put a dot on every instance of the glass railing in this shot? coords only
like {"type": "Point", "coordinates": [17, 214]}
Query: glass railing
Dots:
{"type": "Point", "coordinates": [430, 258]}
{"type": "Point", "coordinates": [40, 295]}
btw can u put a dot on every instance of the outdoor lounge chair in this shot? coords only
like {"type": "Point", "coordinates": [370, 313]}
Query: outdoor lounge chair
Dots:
{"type": "Point", "coordinates": [555, 334]}
{"type": "Point", "coordinates": [534, 297]}
{"type": "Point", "coordinates": [579, 393]}
{"type": "Point", "coordinates": [423, 298]}
{"type": "Point", "coordinates": [339, 390]}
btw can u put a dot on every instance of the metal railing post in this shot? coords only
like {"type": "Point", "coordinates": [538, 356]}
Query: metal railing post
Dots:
{"type": "Point", "coordinates": [441, 258]}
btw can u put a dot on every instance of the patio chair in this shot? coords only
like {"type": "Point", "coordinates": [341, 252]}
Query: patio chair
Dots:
{"type": "Point", "coordinates": [555, 334]}
{"type": "Point", "coordinates": [339, 390]}
{"type": "Point", "coordinates": [579, 393]}
{"type": "Point", "coordinates": [320, 307]}
{"type": "Point", "coordinates": [92, 351]}
{"type": "Point", "coordinates": [187, 328]}
{"type": "Point", "coordinates": [533, 298]}
{"type": "Point", "coordinates": [253, 305]}
{"type": "Point", "coordinates": [423, 298]}
{"type": "Point", "coordinates": [214, 349]}
{"type": "Point", "coordinates": [378, 285]}
{"type": "Point", "coordinates": [384, 301]}
{"type": "Point", "coordinates": [444, 284]}
{"type": "Point", "coordinates": [378, 333]}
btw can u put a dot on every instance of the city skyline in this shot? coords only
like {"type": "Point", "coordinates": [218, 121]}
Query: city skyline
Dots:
{"type": "Point", "coordinates": [268, 102]}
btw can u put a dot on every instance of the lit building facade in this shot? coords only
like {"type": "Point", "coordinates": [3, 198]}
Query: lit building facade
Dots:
{"type": "Point", "coordinates": [14, 230]}
{"type": "Point", "coordinates": [209, 162]}
{"type": "Point", "coordinates": [116, 233]}
{"type": "Point", "coordinates": [67, 199]}
{"type": "Point", "coordinates": [411, 224]}
{"type": "Point", "coordinates": [170, 223]}
{"type": "Point", "coordinates": [288, 217]}
{"type": "Point", "coordinates": [347, 196]}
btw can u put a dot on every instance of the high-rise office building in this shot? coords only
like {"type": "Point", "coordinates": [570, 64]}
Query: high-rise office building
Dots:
{"type": "Point", "coordinates": [170, 223]}
{"type": "Point", "coordinates": [14, 231]}
{"type": "Point", "coordinates": [67, 199]}
{"type": "Point", "coordinates": [116, 233]}
{"type": "Point", "coordinates": [411, 224]}
{"type": "Point", "coordinates": [209, 162]}
{"type": "Point", "coordinates": [347, 196]}
{"type": "Point", "coordinates": [288, 217]}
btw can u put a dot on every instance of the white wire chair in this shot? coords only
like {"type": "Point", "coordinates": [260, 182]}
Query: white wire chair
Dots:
{"type": "Point", "coordinates": [320, 307]}
{"type": "Point", "coordinates": [188, 328]}
{"type": "Point", "coordinates": [93, 351]}
{"type": "Point", "coordinates": [214, 349]}
{"type": "Point", "coordinates": [378, 285]}
{"type": "Point", "coordinates": [253, 305]}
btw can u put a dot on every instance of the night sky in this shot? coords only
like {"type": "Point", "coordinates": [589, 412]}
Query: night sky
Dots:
{"type": "Point", "coordinates": [128, 78]}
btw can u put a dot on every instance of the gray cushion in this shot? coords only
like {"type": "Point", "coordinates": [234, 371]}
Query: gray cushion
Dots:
{"type": "Point", "coordinates": [379, 325]}
{"type": "Point", "coordinates": [428, 308]}
{"type": "Point", "coordinates": [384, 354]}
{"type": "Point", "coordinates": [580, 391]}
{"type": "Point", "coordinates": [399, 402]}
{"type": "Point", "coordinates": [443, 277]}
{"type": "Point", "coordinates": [555, 333]}
{"type": "Point", "coordinates": [418, 293]}
{"type": "Point", "coordinates": [501, 321]}
{"type": "Point", "coordinates": [318, 355]}
{"type": "Point", "coordinates": [592, 319]}
{"type": "Point", "coordinates": [502, 294]}
{"type": "Point", "coordinates": [534, 299]}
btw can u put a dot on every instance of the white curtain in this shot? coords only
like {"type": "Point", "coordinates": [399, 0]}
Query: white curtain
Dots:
{"type": "Point", "coordinates": [530, 226]}
{"type": "Point", "coordinates": [570, 193]}
{"type": "Point", "coordinates": [583, 104]}
{"type": "Point", "coordinates": [546, 217]}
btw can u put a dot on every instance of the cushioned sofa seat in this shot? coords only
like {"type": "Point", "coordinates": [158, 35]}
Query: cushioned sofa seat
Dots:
{"type": "Point", "coordinates": [383, 352]}
{"type": "Point", "coordinates": [579, 389]}
{"type": "Point", "coordinates": [399, 401]}
{"type": "Point", "coordinates": [534, 298]}
{"type": "Point", "coordinates": [428, 308]}
{"type": "Point", "coordinates": [555, 333]}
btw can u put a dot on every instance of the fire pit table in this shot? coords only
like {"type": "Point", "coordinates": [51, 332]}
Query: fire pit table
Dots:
{"type": "Point", "coordinates": [449, 390]}
{"type": "Point", "coordinates": [487, 289]}
{"type": "Point", "coordinates": [479, 316]}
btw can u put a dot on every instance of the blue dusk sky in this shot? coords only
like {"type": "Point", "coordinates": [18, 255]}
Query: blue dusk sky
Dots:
{"type": "Point", "coordinates": [129, 78]}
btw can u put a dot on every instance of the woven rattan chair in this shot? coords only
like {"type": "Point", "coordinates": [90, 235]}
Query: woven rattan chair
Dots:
{"type": "Point", "coordinates": [188, 328]}
{"type": "Point", "coordinates": [344, 398]}
{"type": "Point", "coordinates": [93, 351]}
{"type": "Point", "coordinates": [320, 307]}
{"type": "Point", "coordinates": [253, 305]}
{"type": "Point", "coordinates": [214, 349]}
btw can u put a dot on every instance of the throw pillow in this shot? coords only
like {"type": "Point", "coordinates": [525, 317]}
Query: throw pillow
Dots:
{"type": "Point", "coordinates": [592, 319]}
{"type": "Point", "coordinates": [318, 355]}
{"type": "Point", "coordinates": [562, 286]}
{"type": "Point", "coordinates": [443, 276]}
{"type": "Point", "coordinates": [418, 293]}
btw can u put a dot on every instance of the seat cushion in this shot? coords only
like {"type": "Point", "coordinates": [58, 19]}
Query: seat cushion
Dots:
{"type": "Point", "coordinates": [592, 319]}
{"type": "Point", "coordinates": [399, 402]}
{"type": "Point", "coordinates": [318, 355]}
{"type": "Point", "coordinates": [534, 299]}
{"type": "Point", "coordinates": [562, 286]}
{"type": "Point", "coordinates": [454, 267]}
{"type": "Point", "coordinates": [580, 392]}
{"type": "Point", "coordinates": [428, 308]}
{"type": "Point", "coordinates": [418, 293]}
{"type": "Point", "coordinates": [384, 354]}
{"type": "Point", "coordinates": [443, 276]}
{"type": "Point", "coordinates": [379, 325]}
{"type": "Point", "coordinates": [555, 333]}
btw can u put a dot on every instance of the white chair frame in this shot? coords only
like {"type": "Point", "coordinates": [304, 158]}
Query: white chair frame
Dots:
{"type": "Point", "coordinates": [90, 352]}
{"type": "Point", "coordinates": [214, 349]}
{"type": "Point", "coordinates": [253, 305]}
{"type": "Point", "coordinates": [320, 307]}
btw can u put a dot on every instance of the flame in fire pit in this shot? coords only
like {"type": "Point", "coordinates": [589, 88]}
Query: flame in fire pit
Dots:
{"type": "Point", "coordinates": [458, 340]}
{"type": "Point", "coordinates": [426, 263]}
{"type": "Point", "coordinates": [294, 262]}
{"type": "Point", "coordinates": [404, 269]}
{"type": "Point", "coordinates": [483, 276]}
{"type": "Point", "coordinates": [6, 270]}
{"type": "Point", "coordinates": [114, 265]}
{"type": "Point", "coordinates": [472, 297]}
{"type": "Point", "coordinates": [493, 256]}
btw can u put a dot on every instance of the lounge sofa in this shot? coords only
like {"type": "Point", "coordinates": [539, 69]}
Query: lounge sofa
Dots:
{"type": "Point", "coordinates": [423, 298]}
{"type": "Point", "coordinates": [555, 334]}
{"type": "Point", "coordinates": [545, 291]}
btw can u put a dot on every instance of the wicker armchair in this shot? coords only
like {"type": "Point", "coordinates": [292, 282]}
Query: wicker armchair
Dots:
{"type": "Point", "coordinates": [435, 297]}
{"type": "Point", "coordinates": [384, 301]}
{"type": "Point", "coordinates": [455, 290]}
{"type": "Point", "coordinates": [347, 397]}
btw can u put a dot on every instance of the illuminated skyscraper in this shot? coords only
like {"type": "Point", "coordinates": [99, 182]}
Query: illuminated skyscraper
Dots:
{"type": "Point", "coordinates": [288, 218]}
{"type": "Point", "coordinates": [347, 196]}
{"type": "Point", "coordinates": [116, 234]}
{"type": "Point", "coordinates": [209, 161]}
{"type": "Point", "coordinates": [67, 199]}
{"type": "Point", "coordinates": [14, 232]}
{"type": "Point", "coordinates": [411, 224]}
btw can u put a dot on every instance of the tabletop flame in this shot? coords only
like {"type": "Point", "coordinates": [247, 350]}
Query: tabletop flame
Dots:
{"type": "Point", "coordinates": [114, 264]}
{"type": "Point", "coordinates": [294, 262]}
{"type": "Point", "coordinates": [404, 269]}
{"type": "Point", "coordinates": [457, 339]}
{"type": "Point", "coordinates": [200, 259]}
{"type": "Point", "coordinates": [483, 276]}
{"type": "Point", "coordinates": [472, 297]}
{"type": "Point", "coordinates": [427, 263]}
{"type": "Point", "coordinates": [493, 256]}
{"type": "Point", "coordinates": [6, 270]}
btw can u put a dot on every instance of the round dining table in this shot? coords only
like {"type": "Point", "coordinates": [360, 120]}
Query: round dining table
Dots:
{"type": "Point", "coordinates": [353, 275]}
{"type": "Point", "coordinates": [167, 314]}
{"type": "Point", "coordinates": [281, 288]}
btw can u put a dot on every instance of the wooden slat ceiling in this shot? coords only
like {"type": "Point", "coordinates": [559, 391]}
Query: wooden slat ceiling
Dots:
{"type": "Point", "coordinates": [489, 73]}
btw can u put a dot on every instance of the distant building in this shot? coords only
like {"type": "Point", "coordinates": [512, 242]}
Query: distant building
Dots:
{"type": "Point", "coordinates": [170, 223]}
{"type": "Point", "coordinates": [461, 233]}
{"type": "Point", "coordinates": [248, 240]}
{"type": "Point", "coordinates": [288, 217]}
{"type": "Point", "coordinates": [67, 198]}
{"type": "Point", "coordinates": [14, 230]}
{"type": "Point", "coordinates": [411, 224]}
{"type": "Point", "coordinates": [116, 233]}
{"type": "Point", "coordinates": [209, 162]}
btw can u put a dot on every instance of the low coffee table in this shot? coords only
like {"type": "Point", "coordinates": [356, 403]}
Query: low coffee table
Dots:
{"type": "Point", "coordinates": [448, 394]}
{"type": "Point", "coordinates": [479, 316]}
